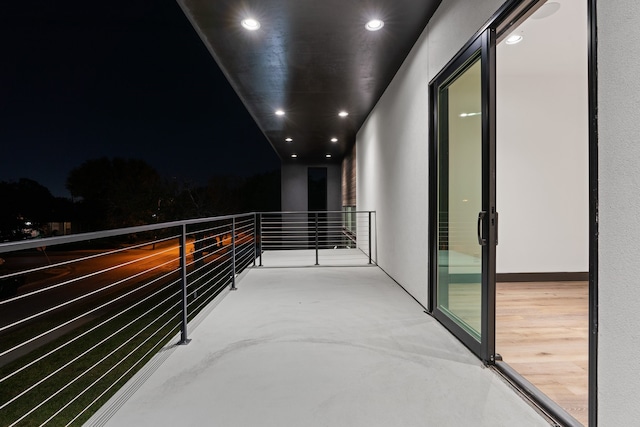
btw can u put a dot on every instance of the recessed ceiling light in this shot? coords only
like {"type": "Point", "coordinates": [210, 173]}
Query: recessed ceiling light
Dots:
{"type": "Point", "coordinates": [289, 139]}
{"type": "Point", "coordinates": [279, 113]}
{"type": "Point", "coordinates": [328, 156]}
{"type": "Point", "coordinates": [334, 139]}
{"type": "Point", "coordinates": [514, 39]}
{"type": "Point", "coordinates": [294, 156]}
{"type": "Point", "coordinates": [343, 114]}
{"type": "Point", "coordinates": [250, 24]}
{"type": "Point", "coordinates": [374, 25]}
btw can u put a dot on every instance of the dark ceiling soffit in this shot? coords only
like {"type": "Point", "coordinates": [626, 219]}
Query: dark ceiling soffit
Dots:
{"type": "Point", "coordinates": [311, 59]}
{"type": "Point", "coordinates": [224, 71]}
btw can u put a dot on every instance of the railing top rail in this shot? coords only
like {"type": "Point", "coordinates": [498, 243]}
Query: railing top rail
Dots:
{"type": "Point", "coordinates": [73, 238]}
{"type": "Point", "coordinates": [308, 212]}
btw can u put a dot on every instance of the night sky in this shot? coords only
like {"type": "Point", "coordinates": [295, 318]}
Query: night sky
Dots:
{"type": "Point", "coordinates": [128, 78]}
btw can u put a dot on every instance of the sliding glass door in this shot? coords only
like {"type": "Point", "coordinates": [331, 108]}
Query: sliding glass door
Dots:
{"type": "Point", "coordinates": [463, 215]}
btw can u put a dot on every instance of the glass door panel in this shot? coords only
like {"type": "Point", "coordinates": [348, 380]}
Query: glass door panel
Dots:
{"type": "Point", "coordinates": [463, 218]}
{"type": "Point", "coordinates": [459, 276]}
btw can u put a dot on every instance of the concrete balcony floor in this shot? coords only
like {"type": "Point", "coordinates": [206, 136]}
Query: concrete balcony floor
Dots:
{"type": "Point", "coordinates": [318, 346]}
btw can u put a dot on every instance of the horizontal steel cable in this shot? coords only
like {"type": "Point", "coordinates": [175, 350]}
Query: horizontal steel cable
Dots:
{"type": "Point", "coordinates": [217, 281]}
{"type": "Point", "coordinates": [39, 291]}
{"type": "Point", "coordinates": [124, 374]}
{"type": "Point", "coordinates": [220, 272]}
{"type": "Point", "coordinates": [115, 366]}
{"type": "Point", "coordinates": [88, 331]}
{"type": "Point", "coordinates": [86, 258]}
{"type": "Point", "coordinates": [4, 405]}
{"type": "Point", "coordinates": [84, 295]}
{"type": "Point", "coordinates": [87, 313]}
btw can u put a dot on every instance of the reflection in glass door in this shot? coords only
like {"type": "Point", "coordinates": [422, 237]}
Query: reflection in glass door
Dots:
{"type": "Point", "coordinates": [459, 277]}
{"type": "Point", "coordinates": [464, 220]}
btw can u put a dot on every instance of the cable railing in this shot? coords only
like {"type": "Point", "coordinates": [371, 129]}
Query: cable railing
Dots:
{"type": "Point", "coordinates": [81, 314]}
{"type": "Point", "coordinates": [321, 233]}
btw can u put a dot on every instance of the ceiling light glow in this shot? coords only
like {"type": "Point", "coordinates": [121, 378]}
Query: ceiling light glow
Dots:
{"type": "Point", "coordinates": [514, 39]}
{"type": "Point", "coordinates": [250, 24]}
{"type": "Point", "coordinates": [343, 114]}
{"type": "Point", "coordinates": [279, 113]}
{"type": "Point", "coordinates": [289, 139]}
{"type": "Point", "coordinates": [293, 156]}
{"type": "Point", "coordinates": [374, 25]}
{"type": "Point", "coordinates": [334, 139]}
{"type": "Point", "coordinates": [328, 156]}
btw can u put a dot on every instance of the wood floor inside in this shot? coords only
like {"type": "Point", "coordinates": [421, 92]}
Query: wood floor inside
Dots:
{"type": "Point", "coordinates": [542, 332]}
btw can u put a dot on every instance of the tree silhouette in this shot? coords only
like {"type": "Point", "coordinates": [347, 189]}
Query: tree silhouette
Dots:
{"type": "Point", "coordinates": [28, 201]}
{"type": "Point", "coordinates": [116, 192]}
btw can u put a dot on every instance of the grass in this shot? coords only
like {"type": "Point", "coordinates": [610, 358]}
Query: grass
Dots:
{"type": "Point", "coordinates": [75, 381]}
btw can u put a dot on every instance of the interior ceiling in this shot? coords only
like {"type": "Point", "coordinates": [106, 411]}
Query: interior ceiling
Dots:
{"type": "Point", "coordinates": [548, 48]}
{"type": "Point", "coordinates": [311, 59]}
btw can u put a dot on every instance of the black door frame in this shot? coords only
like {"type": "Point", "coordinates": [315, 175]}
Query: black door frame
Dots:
{"type": "Point", "coordinates": [482, 47]}
{"type": "Point", "coordinates": [510, 11]}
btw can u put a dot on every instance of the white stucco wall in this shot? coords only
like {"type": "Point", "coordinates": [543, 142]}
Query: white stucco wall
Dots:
{"type": "Point", "coordinates": [619, 199]}
{"type": "Point", "coordinates": [392, 170]}
{"type": "Point", "coordinates": [392, 179]}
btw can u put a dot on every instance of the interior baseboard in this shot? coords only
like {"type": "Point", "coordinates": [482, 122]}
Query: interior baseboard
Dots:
{"type": "Point", "coordinates": [577, 276]}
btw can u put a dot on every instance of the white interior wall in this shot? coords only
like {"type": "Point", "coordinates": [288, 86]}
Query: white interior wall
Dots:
{"type": "Point", "coordinates": [619, 208]}
{"type": "Point", "coordinates": [543, 144]}
{"type": "Point", "coordinates": [392, 169]}
{"type": "Point", "coordinates": [542, 173]}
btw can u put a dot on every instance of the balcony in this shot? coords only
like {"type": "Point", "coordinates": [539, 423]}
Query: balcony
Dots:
{"type": "Point", "coordinates": [317, 335]}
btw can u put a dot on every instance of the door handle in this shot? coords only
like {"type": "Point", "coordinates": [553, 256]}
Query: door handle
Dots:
{"type": "Point", "coordinates": [496, 227]}
{"type": "Point", "coordinates": [481, 240]}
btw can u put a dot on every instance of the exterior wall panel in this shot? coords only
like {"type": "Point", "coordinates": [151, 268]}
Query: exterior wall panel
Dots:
{"type": "Point", "coordinates": [295, 191]}
{"type": "Point", "coordinates": [392, 162]}
{"type": "Point", "coordinates": [619, 208]}
{"type": "Point", "coordinates": [392, 179]}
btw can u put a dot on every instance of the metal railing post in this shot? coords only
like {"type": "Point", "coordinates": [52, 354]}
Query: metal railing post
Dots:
{"type": "Point", "coordinates": [260, 239]}
{"type": "Point", "coordinates": [317, 239]}
{"type": "Point", "coordinates": [255, 237]}
{"type": "Point", "coordinates": [233, 254]}
{"type": "Point", "coordinates": [369, 237]}
{"type": "Point", "coordinates": [183, 273]}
